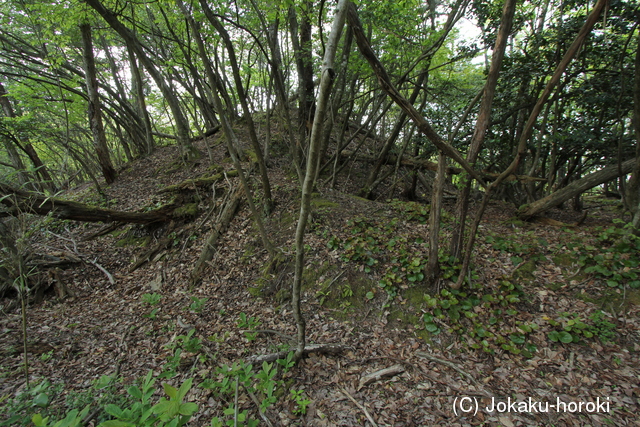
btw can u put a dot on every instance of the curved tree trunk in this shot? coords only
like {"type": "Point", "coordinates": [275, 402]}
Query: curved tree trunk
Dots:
{"type": "Point", "coordinates": [253, 136]}
{"type": "Point", "coordinates": [94, 107]}
{"type": "Point", "coordinates": [188, 151]}
{"type": "Point", "coordinates": [575, 188]}
{"type": "Point", "coordinates": [26, 146]}
{"type": "Point", "coordinates": [482, 123]}
{"type": "Point", "coordinates": [528, 131]}
{"type": "Point", "coordinates": [385, 82]}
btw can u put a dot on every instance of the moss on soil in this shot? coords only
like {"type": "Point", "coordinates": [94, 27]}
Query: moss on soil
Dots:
{"type": "Point", "coordinates": [131, 240]}
{"type": "Point", "coordinates": [319, 203]}
{"type": "Point", "coordinates": [612, 300]}
{"type": "Point", "coordinates": [188, 211]}
{"type": "Point", "coordinates": [523, 275]}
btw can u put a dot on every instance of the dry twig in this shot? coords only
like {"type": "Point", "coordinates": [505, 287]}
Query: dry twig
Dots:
{"type": "Point", "coordinates": [362, 408]}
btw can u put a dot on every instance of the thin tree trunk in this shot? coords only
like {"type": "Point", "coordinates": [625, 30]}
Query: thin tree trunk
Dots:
{"type": "Point", "coordinates": [26, 146]}
{"type": "Point", "coordinates": [528, 131]}
{"type": "Point", "coordinates": [387, 86]}
{"type": "Point", "coordinates": [632, 190]}
{"type": "Point", "coordinates": [253, 136]}
{"type": "Point", "coordinates": [188, 151]}
{"type": "Point", "coordinates": [94, 107]}
{"type": "Point", "coordinates": [482, 124]}
{"type": "Point", "coordinates": [391, 140]}
{"type": "Point", "coordinates": [275, 63]}
{"type": "Point", "coordinates": [302, 49]}
{"type": "Point", "coordinates": [137, 86]}
{"type": "Point", "coordinates": [230, 137]}
{"type": "Point", "coordinates": [326, 82]}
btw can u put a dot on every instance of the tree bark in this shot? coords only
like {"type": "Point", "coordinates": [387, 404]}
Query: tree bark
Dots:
{"type": "Point", "coordinates": [528, 131]}
{"type": "Point", "coordinates": [432, 270]}
{"type": "Point", "coordinates": [326, 82]}
{"type": "Point", "coordinates": [230, 136]}
{"type": "Point", "coordinates": [391, 140]}
{"type": "Point", "coordinates": [271, 32]}
{"type": "Point", "coordinates": [482, 124]}
{"type": "Point", "coordinates": [392, 92]}
{"type": "Point", "coordinates": [137, 87]}
{"type": "Point", "coordinates": [19, 201]}
{"type": "Point", "coordinates": [188, 151]}
{"type": "Point", "coordinates": [253, 136]}
{"type": "Point", "coordinates": [301, 44]}
{"type": "Point", "coordinates": [26, 146]}
{"type": "Point", "coordinates": [575, 188]}
{"type": "Point", "coordinates": [94, 107]}
{"type": "Point", "coordinates": [632, 190]}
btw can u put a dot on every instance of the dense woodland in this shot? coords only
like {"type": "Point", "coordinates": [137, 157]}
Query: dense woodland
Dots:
{"type": "Point", "coordinates": [370, 209]}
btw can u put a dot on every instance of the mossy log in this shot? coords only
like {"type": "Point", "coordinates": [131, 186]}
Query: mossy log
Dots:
{"type": "Point", "coordinates": [577, 187]}
{"type": "Point", "coordinates": [19, 201]}
{"type": "Point", "coordinates": [228, 213]}
{"type": "Point", "coordinates": [194, 183]}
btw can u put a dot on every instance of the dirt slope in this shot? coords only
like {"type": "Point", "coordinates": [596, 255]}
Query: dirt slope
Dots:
{"type": "Point", "coordinates": [354, 246]}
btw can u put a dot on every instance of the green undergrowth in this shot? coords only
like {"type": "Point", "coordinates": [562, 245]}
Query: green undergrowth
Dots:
{"type": "Point", "coordinates": [488, 318]}
{"type": "Point", "coordinates": [161, 398]}
{"type": "Point", "coordinates": [131, 239]}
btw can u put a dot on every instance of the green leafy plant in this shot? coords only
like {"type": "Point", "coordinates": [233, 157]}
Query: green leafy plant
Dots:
{"type": "Point", "coordinates": [614, 256]}
{"type": "Point", "coordinates": [187, 343]}
{"type": "Point", "coordinates": [250, 323]}
{"type": "Point", "coordinates": [72, 419]}
{"type": "Point", "coordinates": [151, 299]}
{"type": "Point", "coordinates": [45, 357]}
{"type": "Point", "coordinates": [484, 321]}
{"type": "Point", "coordinates": [301, 401]}
{"type": "Point", "coordinates": [572, 328]}
{"type": "Point", "coordinates": [288, 362]}
{"type": "Point", "coordinates": [172, 412]}
{"type": "Point", "coordinates": [152, 314]}
{"type": "Point", "coordinates": [197, 304]}
{"type": "Point", "coordinates": [22, 408]}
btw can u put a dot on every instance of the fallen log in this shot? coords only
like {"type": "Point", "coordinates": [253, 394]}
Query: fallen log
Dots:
{"type": "Point", "coordinates": [391, 159]}
{"type": "Point", "coordinates": [150, 254]}
{"type": "Point", "coordinates": [226, 215]}
{"type": "Point", "coordinates": [205, 181]}
{"type": "Point", "coordinates": [19, 201]}
{"type": "Point", "coordinates": [594, 179]}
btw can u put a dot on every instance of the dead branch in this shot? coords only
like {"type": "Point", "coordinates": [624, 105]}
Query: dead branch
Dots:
{"type": "Point", "coordinates": [362, 408]}
{"type": "Point", "coordinates": [271, 331]}
{"type": "Point", "coordinates": [378, 375]}
{"type": "Point", "coordinates": [450, 365]}
{"type": "Point", "coordinates": [103, 230]}
{"type": "Point", "coordinates": [149, 254]}
{"type": "Point", "coordinates": [19, 201]}
{"type": "Point", "coordinates": [332, 349]}
{"type": "Point", "coordinates": [391, 159]}
{"type": "Point", "coordinates": [205, 181]}
{"type": "Point", "coordinates": [445, 363]}
{"type": "Point", "coordinates": [226, 215]}
{"type": "Point", "coordinates": [84, 257]}
{"type": "Point", "coordinates": [262, 414]}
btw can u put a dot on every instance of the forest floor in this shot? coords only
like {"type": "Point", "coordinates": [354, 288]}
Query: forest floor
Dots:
{"type": "Point", "coordinates": [533, 326]}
